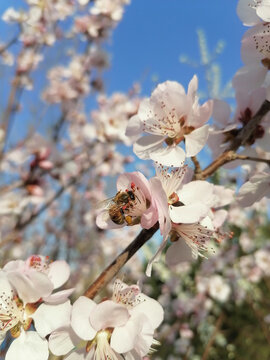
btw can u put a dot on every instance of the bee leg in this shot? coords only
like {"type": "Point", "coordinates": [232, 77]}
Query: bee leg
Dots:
{"type": "Point", "coordinates": [128, 220]}
{"type": "Point", "coordinates": [131, 222]}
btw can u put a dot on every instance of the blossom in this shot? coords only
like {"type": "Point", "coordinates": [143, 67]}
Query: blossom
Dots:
{"type": "Point", "coordinates": [180, 201]}
{"type": "Point", "coordinates": [189, 241]}
{"type": "Point", "coordinates": [255, 189]}
{"type": "Point", "coordinates": [189, 201]}
{"type": "Point", "coordinates": [111, 118]}
{"type": "Point", "coordinates": [256, 56]}
{"type": "Point", "coordinates": [225, 129]}
{"type": "Point", "coordinates": [170, 116]}
{"type": "Point", "coordinates": [253, 11]}
{"type": "Point", "coordinates": [37, 277]}
{"type": "Point", "coordinates": [123, 325]}
{"type": "Point", "coordinates": [16, 317]}
{"type": "Point", "coordinates": [132, 204]}
{"type": "Point", "coordinates": [218, 288]}
{"type": "Point", "coordinates": [112, 9]}
{"type": "Point", "coordinates": [263, 260]}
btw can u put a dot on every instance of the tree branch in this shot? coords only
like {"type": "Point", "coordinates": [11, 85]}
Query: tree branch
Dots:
{"type": "Point", "coordinates": [213, 336]}
{"type": "Point", "coordinates": [22, 224]}
{"type": "Point", "coordinates": [241, 139]}
{"type": "Point", "coordinates": [109, 273]}
{"type": "Point", "coordinates": [8, 44]}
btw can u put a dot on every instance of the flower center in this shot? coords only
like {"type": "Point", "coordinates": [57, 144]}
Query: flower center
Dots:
{"type": "Point", "coordinates": [13, 315]}
{"type": "Point", "coordinates": [103, 351]}
{"type": "Point", "coordinates": [38, 263]}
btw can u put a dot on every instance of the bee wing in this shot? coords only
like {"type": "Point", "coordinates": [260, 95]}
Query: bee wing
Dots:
{"type": "Point", "coordinates": [105, 204]}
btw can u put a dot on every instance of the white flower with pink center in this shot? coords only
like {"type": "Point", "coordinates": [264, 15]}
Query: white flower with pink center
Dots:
{"type": "Point", "coordinates": [189, 201]}
{"type": "Point", "coordinates": [170, 116]}
{"type": "Point", "coordinates": [131, 205]}
{"type": "Point", "coordinates": [17, 316]}
{"type": "Point", "coordinates": [180, 201]}
{"type": "Point", "coordinates": [37, 277]}
{"type": "Point", "coordinates": [124, 325]}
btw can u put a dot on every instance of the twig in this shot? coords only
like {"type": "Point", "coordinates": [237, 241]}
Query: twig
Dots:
{"type": "Point", "coordinates": [249, 128]}
{"type": "Point", "coordinates": [10, 109]}
{"type": "Point", "coordinates": [197, 165]}
{"type": "Point", "coordinates": [213, 336]}
{"type": "Point", "coordinates": [8, 44]}
{"type": "Point", "coordinates": [251, 158]}
{"type": "Point", "coordinates": [57, 127]}
{"type": "Point", "coordinates": [260, 320]}
{"type": "Point", "coordinates": [241, 139]}
{"type": "Point", "coordinates": [108, 274]}
{"type": "Point", "coordinates": [22, 224]}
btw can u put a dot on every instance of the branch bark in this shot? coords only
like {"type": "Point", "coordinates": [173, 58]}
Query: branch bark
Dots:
{"type": "Point", "coordinates": [230, 153]}
{"type": "Point", "coordinates": [108, 274]}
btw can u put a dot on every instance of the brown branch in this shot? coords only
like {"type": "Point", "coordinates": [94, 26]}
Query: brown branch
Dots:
{"type": "Point", "coordinates": [8, 44]}
{"type": "Point", "coordinates": [249, 128]}
{"type": "Point", "coordinates": [241, 139]}
{"type": "Point", "coordinates": [197, 165]}
{"type": "Point", "coordinates": [251, 158]}
{"type": "Point", "coordinates": [263, 326]}
{"type": "Point", "coordinates": [109, 273]}
{"type": "Point", "coordinates": [22, 224]}
{"type": "Point", "coordinates": [213, 336]}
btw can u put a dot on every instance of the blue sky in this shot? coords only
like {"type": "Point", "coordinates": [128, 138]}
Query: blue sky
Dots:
{"type": "Point", "coordinates": [148, 42]}
{"type": "Point", "coordinates": [154, 33]}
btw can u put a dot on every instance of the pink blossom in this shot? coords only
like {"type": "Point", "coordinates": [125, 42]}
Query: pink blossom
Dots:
{"type": "Point", "coordinates": [37, 277]}
{"type": "Point", "coordinates": [180, 201]}
{"type": "Point", "coordinates": [188, 201]}
{"type": "Point", "coordinates": [132, 204]}
{"type": "Point", "coordinates": [123, 325]}
{"type": "Point", "coordinates": [170, 116]}
{"type": "Point", "coordinates": [17, 316]}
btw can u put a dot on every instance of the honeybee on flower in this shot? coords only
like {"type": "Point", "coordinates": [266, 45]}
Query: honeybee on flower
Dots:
{"type": "Point", "coordinates": [131, 205]}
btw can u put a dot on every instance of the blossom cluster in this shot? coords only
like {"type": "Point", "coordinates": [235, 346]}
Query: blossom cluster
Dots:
{"type": "Point", "coordinates": [196, 215]}
{"type": "Point", "coordinates": [31, 311]}
{"type": "Point", "coordinates": [27, 296]}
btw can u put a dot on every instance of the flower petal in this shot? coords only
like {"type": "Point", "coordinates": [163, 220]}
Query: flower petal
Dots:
{"type": "Point", "coordinates": [108, 314]}
{"type": "Point", "coordinates": [170, 156]}
{"type": "Point", "coordinates": [197, 191]}
{"type": "Point", "coordinates": [30, 287]}
{"type": "Point", "coordinates": [151, 308]}
{"type": "Point", "coordinates": [59, 296]}
{"type": "Point", "coordinates": [124, 338]}
{"type": "Point", "coordinates": [59, 273]}
{"type": "Point", "coordinates": [145, 145]}
{"type": "Point", "coordinates": [28, 346]}
{"type": "Point", "coordinates": [196, 140]}
{"type": "Point", "coordinates": [81, 311]}
{"type": "Point", "coordinates": [62, 341]}
{"type": "Point", "coordinates": [48, 318]}
{"type": "Point", "coordinates": [188, 214]}
{"type": "Point", "coordinates": [178, 252]}
{"type": "Point", "coordinates": [134, 127]}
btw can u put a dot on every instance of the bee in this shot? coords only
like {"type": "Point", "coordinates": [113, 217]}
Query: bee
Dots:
{"type": "Point", "coordinates": [118, 206]}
